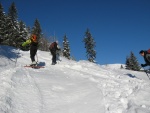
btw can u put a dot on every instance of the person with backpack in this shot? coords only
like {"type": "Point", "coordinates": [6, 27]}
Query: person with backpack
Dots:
{"type": "Point", "coordinates": [32, 41]}
{"type": "Point", "coordinates": [53, 49]}
{"type": "Point", "coordinates": [146, 56]}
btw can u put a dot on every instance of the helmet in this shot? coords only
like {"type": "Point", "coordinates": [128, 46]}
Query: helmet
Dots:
{"type": "Point", "coordinates": [33, 37]}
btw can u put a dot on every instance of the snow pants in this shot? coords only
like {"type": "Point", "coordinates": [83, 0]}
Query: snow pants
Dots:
{"type": "Point", "coordinates": [53, 52]}
{"type": "Point", "coordinates": [33, 51]}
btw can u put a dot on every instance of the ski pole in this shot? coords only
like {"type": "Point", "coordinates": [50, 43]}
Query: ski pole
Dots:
{"type": "Point", "coordinates": [37, 57]}
{"type": "Point", "coordinates": [147, 73]}
{"type": "Point", "coordinates": [17, 56]}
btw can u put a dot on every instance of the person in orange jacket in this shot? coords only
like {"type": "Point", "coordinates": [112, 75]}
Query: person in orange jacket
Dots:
{"type": "Point", "coordinates": [32, 41]}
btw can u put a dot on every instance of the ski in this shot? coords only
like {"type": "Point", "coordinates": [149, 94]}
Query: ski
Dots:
{"type": "Point", "coordinates": [35, 67]}
{"type": "Point", "coordinates": [147, 73]}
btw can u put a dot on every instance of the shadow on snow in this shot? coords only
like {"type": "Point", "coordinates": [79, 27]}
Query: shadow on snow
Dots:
{"type": "Point", "coordinates": [9, 52]}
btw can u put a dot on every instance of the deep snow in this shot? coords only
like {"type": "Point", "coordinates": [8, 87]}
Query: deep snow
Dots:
{"type": "Point", "coordinates": [69, 86]}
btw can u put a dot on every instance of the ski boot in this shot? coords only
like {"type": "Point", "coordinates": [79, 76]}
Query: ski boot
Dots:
{"type": "Point", "coordinates": [34, 63]}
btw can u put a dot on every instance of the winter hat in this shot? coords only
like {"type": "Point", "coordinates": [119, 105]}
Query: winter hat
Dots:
{"type": "Point", "coordinates": [142, 51]}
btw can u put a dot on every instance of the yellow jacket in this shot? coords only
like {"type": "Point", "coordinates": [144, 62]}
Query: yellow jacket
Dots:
{"type": "Point", "coordinates": [27, 42]}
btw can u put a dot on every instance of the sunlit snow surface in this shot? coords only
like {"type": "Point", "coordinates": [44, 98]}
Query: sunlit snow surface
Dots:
{"type": "Point", "coordinates": [69, 86]}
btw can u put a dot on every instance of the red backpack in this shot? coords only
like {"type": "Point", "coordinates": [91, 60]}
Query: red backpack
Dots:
{"type": "Point", "coordinates": [148, 51]}
{"type": "Point", "coordinates": [52, 46]}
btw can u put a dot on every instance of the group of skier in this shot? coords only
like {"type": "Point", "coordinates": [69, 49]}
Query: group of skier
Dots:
{"type": "Point", "coordinates": [33, 42]}
{"type": "Point", "coordinates": [54, 47]}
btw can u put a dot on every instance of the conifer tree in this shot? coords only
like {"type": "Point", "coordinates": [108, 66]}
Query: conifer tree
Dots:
{"type": "Point", "coordinates": [37, 29]}
{"type": "Point", "coordinates": [132, 62]}
{"type": "Point", "coordinates": [128, 63]}
{"type": "Point", "coordinates": [44, 44]}
{"type": "Point", "coordinates": [135, 63]}
{"type": "Point", "coordinates": [12, 32]}
{"type": "Point", "coordinates": [9, 39]}
{"type": "Point", "coordinates": [2, 24]}
{"type": "Point", "coordinates": [29, 29]}
{"type": "Point", "coordinates": [23, 33]}
{"type": "Point", "coordinates": [66, 48]}
{"type": "Point", "coordinates": [12, 13]}
{"type": "Point", "coordinates": [13, 25]}
{"type": "Point", "coordinates": [90, 45]}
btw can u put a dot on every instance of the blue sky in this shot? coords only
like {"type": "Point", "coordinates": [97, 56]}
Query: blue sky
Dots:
{"type": "Point", "coordinates": [117, 26]}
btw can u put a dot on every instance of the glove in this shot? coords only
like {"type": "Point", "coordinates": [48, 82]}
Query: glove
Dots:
{"type": "Point", "coordinates": [142, 65]}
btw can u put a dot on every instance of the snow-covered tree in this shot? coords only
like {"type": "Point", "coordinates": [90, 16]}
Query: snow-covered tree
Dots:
{"type": "Point", "coordinates": [66, 48]}
{"type": "Point", "coordinates": [13, 26]}
{"type": "Point", "coordinates": [23, 33]}
{"type": "Point", "coordinates": [132, 63]}
{"type": "Point", "coordinates": [90, 45]}
{"type": "Point", "coordinates": [12, 13]}
{"type": "Point", "coordinates": [9, 33]}
{"type": "Point", "coordinates": [2, 24]}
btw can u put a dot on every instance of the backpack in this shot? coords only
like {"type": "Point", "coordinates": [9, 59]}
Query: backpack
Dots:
{"type": "Point", "coordinates": [51, 46]}
{"type": "Point", "coordinates": [148, 51]}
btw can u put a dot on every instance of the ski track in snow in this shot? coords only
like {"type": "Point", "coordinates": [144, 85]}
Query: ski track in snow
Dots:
{"type": "Point", "coordinates": [6, 90]}
{"type": "Point", "coordinates": [70, 87]}
{"type": "Point", "coordinates": [14, 87]}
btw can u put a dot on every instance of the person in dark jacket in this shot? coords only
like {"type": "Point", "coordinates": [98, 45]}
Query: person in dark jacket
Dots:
{"type": "Point", "coordinates": [53, 48]}
{"type": "Point", "coordinates": [146, 57]}
{"type": "Point", "coordinates": [33, 47]}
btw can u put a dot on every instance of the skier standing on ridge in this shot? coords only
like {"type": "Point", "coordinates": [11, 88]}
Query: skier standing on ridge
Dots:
{"type": "Point", "coordinates": [53, 48]}
{"type": "Point", "coordinates": [146, 56]}
{"type": "Point", "coordinates": [33, 48]}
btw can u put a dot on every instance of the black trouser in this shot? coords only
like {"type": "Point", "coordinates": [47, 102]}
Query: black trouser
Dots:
{"type": "Point", "coordinates": [53, 56]}
{"type": "Point", "coordinates": [33, 51]}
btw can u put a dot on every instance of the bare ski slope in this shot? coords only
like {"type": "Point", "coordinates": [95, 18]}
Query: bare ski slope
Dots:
{"type": "Point", "coordinates": [69, 86]}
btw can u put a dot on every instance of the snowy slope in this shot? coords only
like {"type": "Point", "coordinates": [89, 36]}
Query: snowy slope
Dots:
{"type": "Point", "coordinates": [69, 86]}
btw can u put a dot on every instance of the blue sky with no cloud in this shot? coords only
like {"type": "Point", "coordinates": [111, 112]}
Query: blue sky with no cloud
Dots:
{"type": "Point", "coordinates": [117, 26]}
